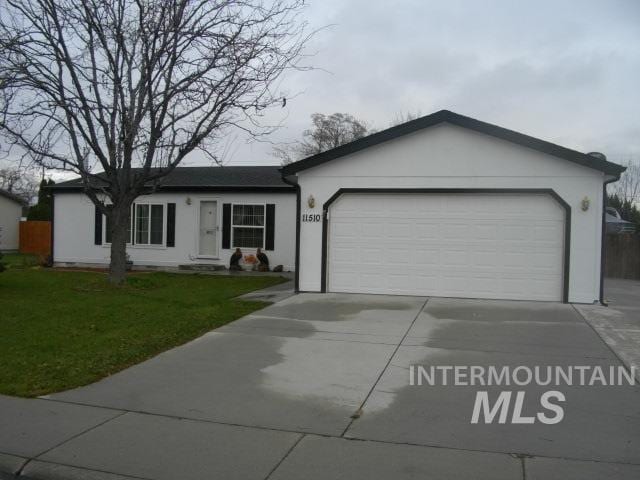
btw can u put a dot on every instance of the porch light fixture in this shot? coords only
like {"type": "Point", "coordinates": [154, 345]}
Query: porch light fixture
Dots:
{"type": "Point", "coordinates": [585, 204]}
{"type": "Point", "coordinates": [188, 201]}
{"type": "Point", "coordinates": [311, 201]}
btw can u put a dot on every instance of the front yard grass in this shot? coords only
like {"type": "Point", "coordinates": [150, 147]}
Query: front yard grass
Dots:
{"type": "Point", "coordinates": [61, 329]}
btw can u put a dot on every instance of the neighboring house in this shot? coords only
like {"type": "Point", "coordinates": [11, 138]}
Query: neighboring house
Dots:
{"type": "Point", "coordinates": [10, 213]}
{"type": "Point", "coordinates": [444, 205]}
{"type": "Point", "coordinates": [198, 216]}
{"type": "Point", "coordinates": [615, 223]}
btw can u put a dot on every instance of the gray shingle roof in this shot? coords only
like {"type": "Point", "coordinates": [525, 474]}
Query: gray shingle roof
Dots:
{"type": "Point", "coordinates": [212, 178]}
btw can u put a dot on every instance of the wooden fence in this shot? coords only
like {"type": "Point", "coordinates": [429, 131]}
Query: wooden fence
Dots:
{"type": "Point", "coordinates": [35, 237]}
{"type": "Point", "coordinates": [622, 256]}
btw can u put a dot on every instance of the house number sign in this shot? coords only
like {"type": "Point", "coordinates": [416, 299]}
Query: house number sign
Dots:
{"type": "Point", "coordinates": [311, 217]}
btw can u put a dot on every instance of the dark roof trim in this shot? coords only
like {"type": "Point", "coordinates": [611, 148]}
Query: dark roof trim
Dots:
{"type": "Point", "coordinates": [461, 121]}
{"type": "Point", "coordinates": [12, 196]}
{"type": "Point", "coordinates": [205, 179]}
{"type": "Point", "coordinates": [196, 188]}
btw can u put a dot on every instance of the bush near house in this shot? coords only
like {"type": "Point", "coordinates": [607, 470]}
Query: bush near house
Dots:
{"type": "Point", "coordinates": [42, 210]}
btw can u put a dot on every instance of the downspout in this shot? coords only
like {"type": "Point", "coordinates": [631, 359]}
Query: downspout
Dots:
{"type": "Point", "coordinates": [293, 181]}
{"type": "Point", "coordinates": [604, 237]}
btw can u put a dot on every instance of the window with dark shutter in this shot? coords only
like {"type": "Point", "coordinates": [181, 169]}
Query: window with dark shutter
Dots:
{"type": "Point", "coordinates": [247, 226]}
{"type": "Point", "coordinates": [171, 224]}
{"type": "Point", "coordinates": [226, 226]}
{"type": "Point", "coordinates": [269, 238]}
{"type": "Point", "coordinates": [97, 229]}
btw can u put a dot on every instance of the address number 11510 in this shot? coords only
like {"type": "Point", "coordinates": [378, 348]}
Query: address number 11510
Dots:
{"type": "Point", "coordinates": [311, 217]}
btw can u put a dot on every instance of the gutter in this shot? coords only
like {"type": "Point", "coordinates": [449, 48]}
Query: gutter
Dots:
{"type": "Point", "coordinates": [293, 181]}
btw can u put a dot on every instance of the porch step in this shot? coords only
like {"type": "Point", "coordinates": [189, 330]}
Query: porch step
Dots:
{"type": "Point", "coordinates": [201, 267]}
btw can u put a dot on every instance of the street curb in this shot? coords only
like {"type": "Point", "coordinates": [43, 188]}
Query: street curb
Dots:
{"type": "Point", "coordinates": [39, 470]}
{"type": "Point", "coordinates": [10, 466]}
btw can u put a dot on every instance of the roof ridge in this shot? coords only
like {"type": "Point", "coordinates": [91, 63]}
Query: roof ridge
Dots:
{"type": "Point", "coordinates": [447, 116]}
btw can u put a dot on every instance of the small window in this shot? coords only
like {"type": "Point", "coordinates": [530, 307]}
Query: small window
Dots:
{"type": "Point", "coordinates": [247, 222]}
{"type": "Point", "coordinates": [149, 224]}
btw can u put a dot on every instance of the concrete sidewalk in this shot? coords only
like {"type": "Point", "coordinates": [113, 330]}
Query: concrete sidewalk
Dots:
{"type": "Point", "coordinates": [316, 387]}
{"type": "Point", "coordinates": [619, 323]}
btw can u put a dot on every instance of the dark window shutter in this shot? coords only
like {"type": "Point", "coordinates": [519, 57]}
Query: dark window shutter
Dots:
{"type": "Point", "coordinates": [97, 231]}
{"type": "Point", "coordinates": [133, 224]}
{"type": "Point", "coordinates": [226, 225]}
{"type": "Point", "coordinates": [171, 224]}
{"type": "Point", "coordinates": [270, 221]}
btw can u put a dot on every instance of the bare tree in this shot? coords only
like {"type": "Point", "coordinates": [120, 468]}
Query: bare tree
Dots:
{"type": "Point", "coordinates": [131, 87]}
{"type": "Point", "coordinates": [628, 187]}
{"type": "Point", "coordinates": [19, 181]}
{"type": "Point", "coordinates": [328, 131]}
{"type": "Point", "coordinates": [404, 117]}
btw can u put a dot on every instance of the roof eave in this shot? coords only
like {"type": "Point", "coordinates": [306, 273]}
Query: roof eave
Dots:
{"type": "Point", "coordinates": [461, 121]}
{"type": "Point", "coordinates": [194, 188]}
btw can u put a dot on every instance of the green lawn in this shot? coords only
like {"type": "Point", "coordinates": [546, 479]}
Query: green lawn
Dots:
{"type": "Point", "coordinates": [18, 260]}
{"type": "Point", "coordinates": [63, 329]}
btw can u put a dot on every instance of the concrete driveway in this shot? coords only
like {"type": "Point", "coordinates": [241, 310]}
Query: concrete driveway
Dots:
{"type": "Point", "coordinates": [317, 387]}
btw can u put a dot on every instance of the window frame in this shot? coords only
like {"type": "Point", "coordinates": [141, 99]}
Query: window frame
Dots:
{"type": "Point", "coordinates": [134, 232]}
{"type": "Point", "coordinates": [233, 226]}
{"type": "Point", "coordinates": [133, 219]}
{"type": "Point", "coordinates": [105, 229]}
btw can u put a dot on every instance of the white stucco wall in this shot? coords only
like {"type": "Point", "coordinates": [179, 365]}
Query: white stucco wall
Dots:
{"type": "Point", "coordinates": [74, 230]}
{"type": "Point", "coordinates": [10, 214]}
{"type": "Point", "coordinates": [447, 156]}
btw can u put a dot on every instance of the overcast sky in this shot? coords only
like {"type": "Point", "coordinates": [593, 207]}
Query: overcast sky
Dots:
{"type": "Point", "coordinates": [564, 71]}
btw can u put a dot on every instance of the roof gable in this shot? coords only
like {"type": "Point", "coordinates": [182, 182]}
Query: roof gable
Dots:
{"type": "Point", "coordinates": [461, 121]}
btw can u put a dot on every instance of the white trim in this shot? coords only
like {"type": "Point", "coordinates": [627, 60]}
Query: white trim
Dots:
{"type": "Point", "coordinates": [264, 224]}
{"type": "Point", "coordinates": [164, 226]}
{"type": "Point", "coordinates": [218, 222]}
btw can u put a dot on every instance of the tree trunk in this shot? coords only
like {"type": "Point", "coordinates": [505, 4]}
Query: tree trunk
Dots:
{"type": "Point", "coordinates": [120, 222]}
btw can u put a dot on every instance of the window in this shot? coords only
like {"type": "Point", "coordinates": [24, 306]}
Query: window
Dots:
{"type": "Point", "coordinates": [107, 230]}
{"type": "Point", "coordinates": [149, 223]}
{"type": "Point", "coordinates": [146, 227]}
{"type": "Point", "coordinates": [247, 222]}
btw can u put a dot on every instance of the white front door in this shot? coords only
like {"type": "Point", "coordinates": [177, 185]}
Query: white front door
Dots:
{"type": "Point", "coordinates": [208, 229]}
{"type": "Point", "coordinates": [505, 246]}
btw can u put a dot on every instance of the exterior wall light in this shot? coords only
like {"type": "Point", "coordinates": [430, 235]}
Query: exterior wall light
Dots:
{"type": "Point", "coordinates": [311, 201]}
{"type": "Point", "coordinates": [188, 201]}
{"type": "Point", "coordinates": [584, 204]}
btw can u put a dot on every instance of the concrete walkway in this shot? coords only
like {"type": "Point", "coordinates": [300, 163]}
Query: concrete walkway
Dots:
{"type": "Point", "coordinates": [619, 323]}
{"type": "Point", "coordinates": [316, 387]}
{"type": "Point", "coordinates": [272, 294]}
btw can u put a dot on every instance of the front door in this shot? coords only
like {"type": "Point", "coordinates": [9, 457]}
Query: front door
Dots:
{"type": "Point", "coordinates": [208, 229]}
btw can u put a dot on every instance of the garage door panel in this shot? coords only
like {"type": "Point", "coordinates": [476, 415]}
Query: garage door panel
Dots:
{"type": "Point", "coordinates": [547, 232]}
{"type": "Point", "coordinates": [485, 231]}
{"type": "Point", "coordinates": [372, 230]}
{"type": "Point", "coordinates": [426, 231]}
{"type": "Point", "coordinates": [477, 246]}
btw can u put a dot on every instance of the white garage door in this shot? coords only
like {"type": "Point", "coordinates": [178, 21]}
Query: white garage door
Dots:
{"type": "Point", "coordinates": [505, 246]}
